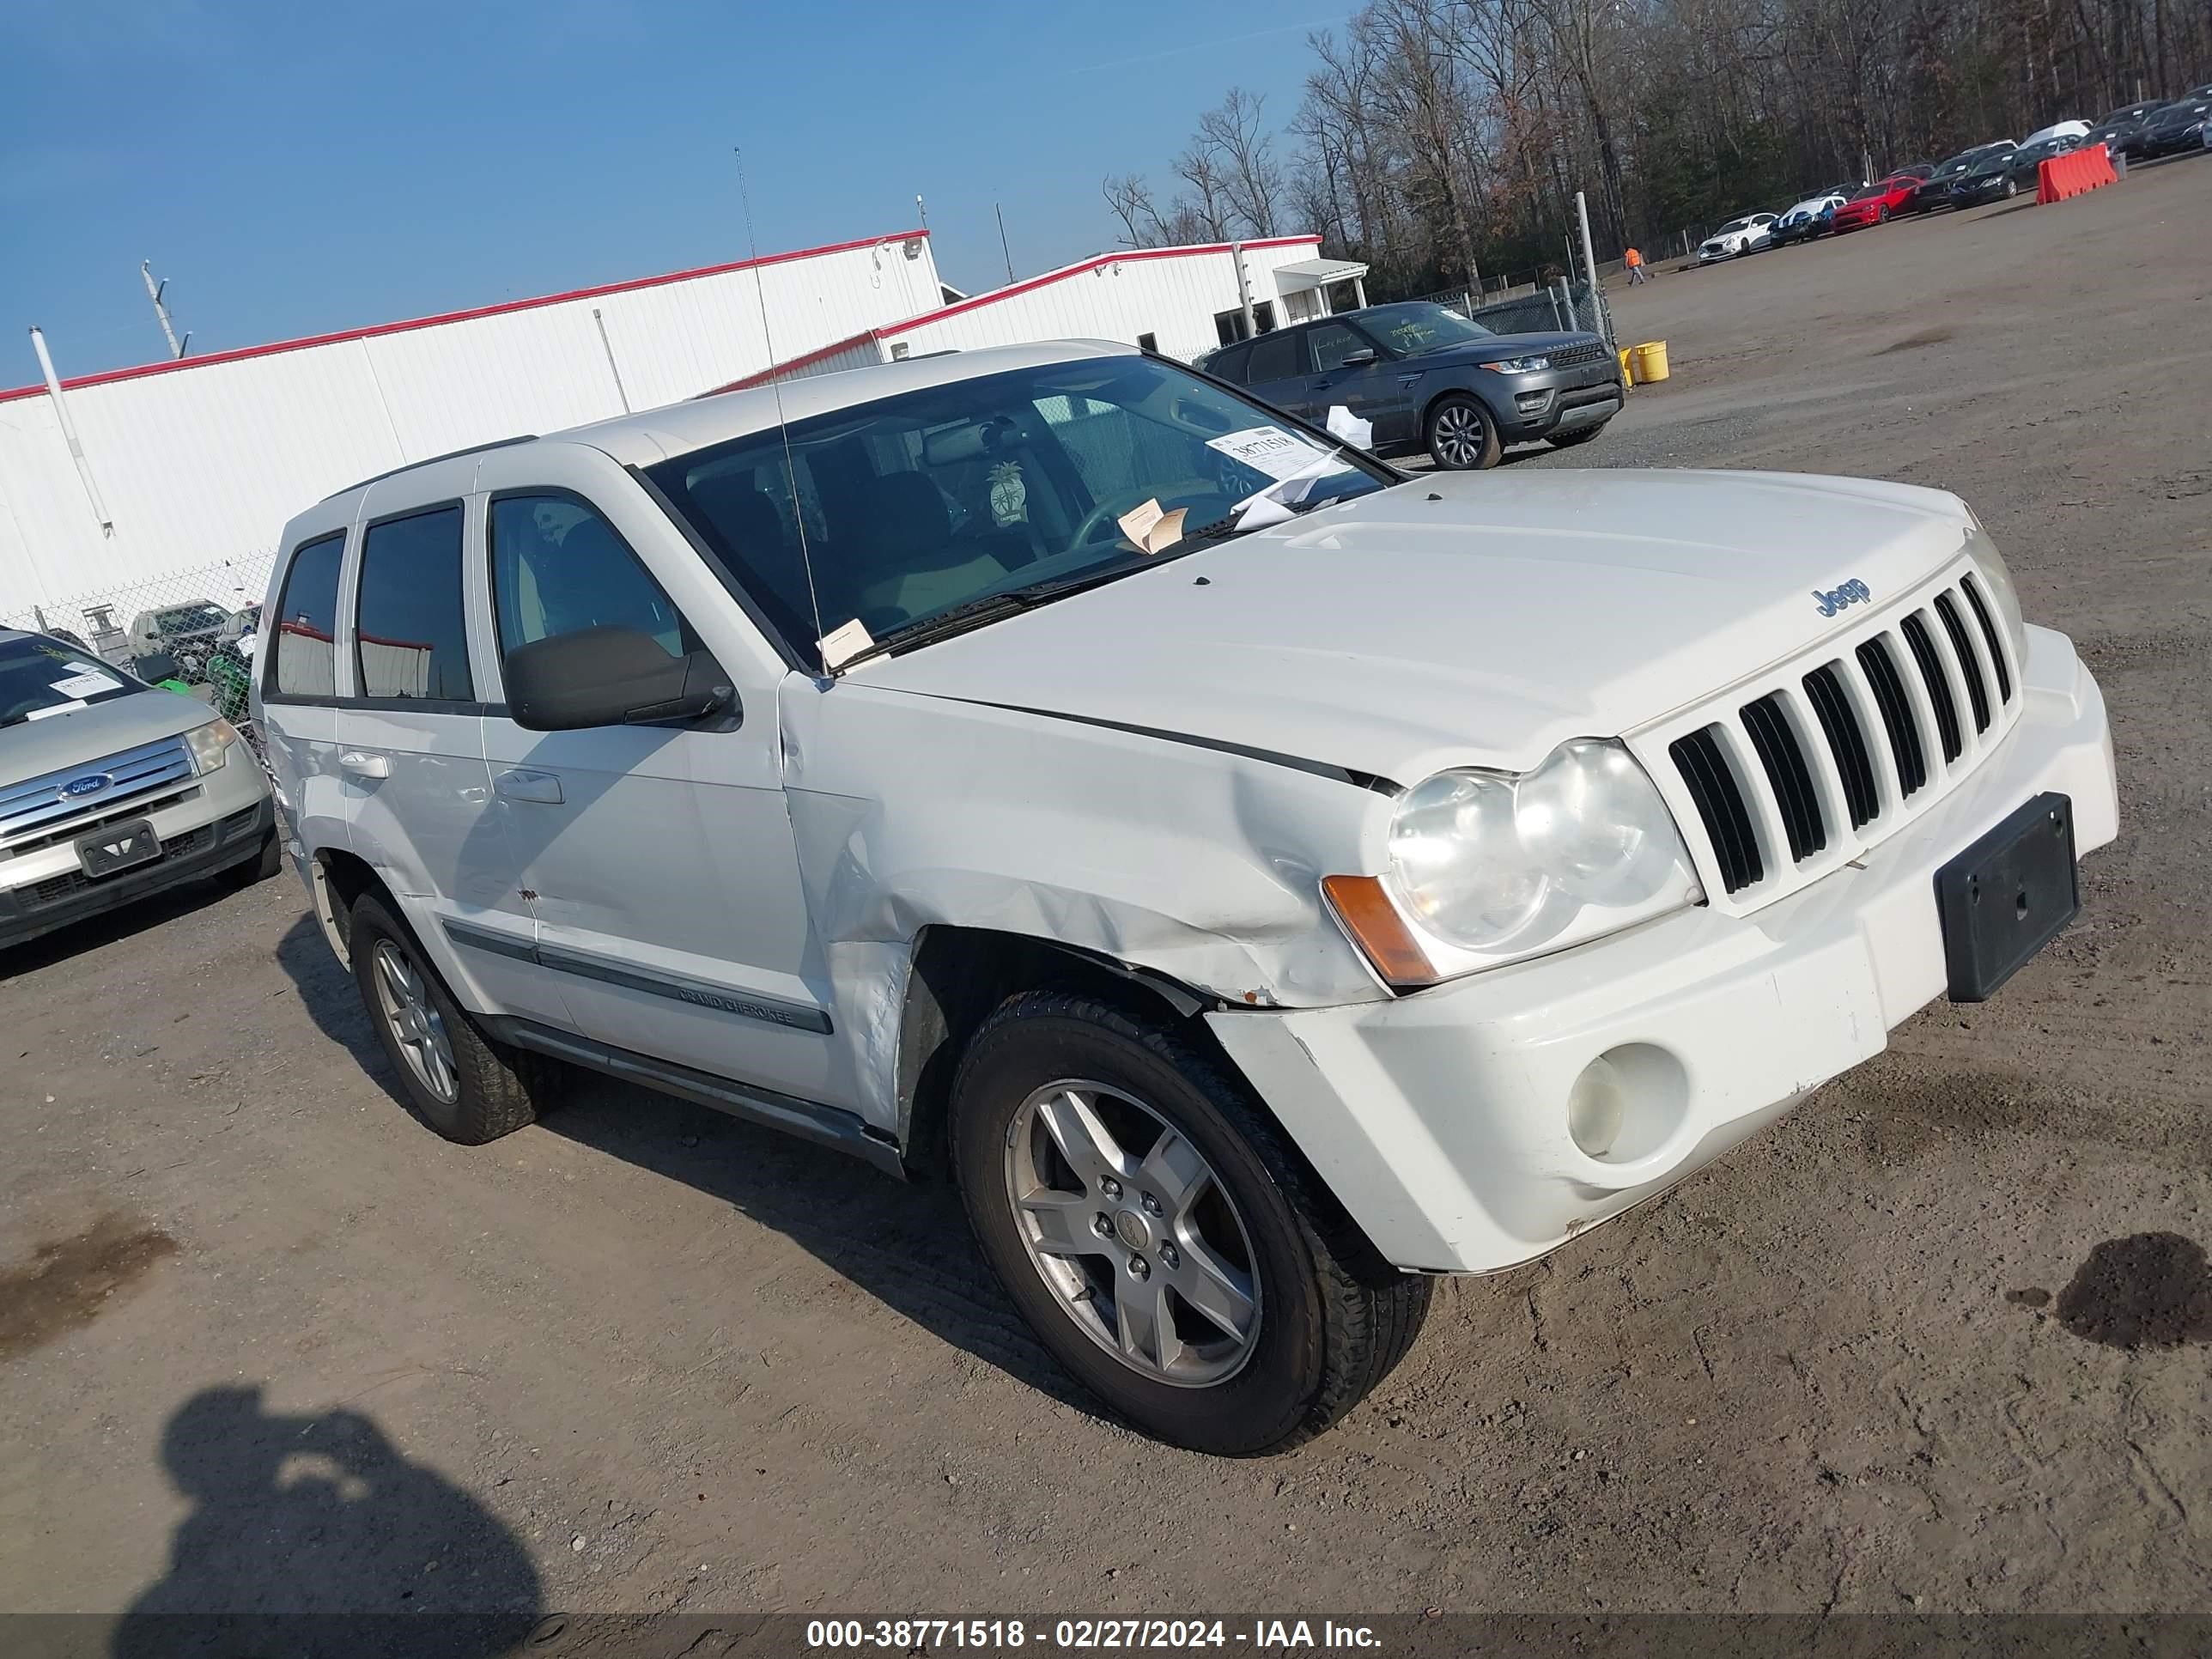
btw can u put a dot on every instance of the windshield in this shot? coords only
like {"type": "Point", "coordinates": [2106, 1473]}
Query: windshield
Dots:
{"type": "Point", "coordinates": [1872, 192]}
{"type": "Point", "coordinates": [189, 619]}
{"type": "Point", "coordinates": [1417, 326]}
{"type": "Point", "coordinates": [41, 676]}
{"type": "Point", "coordinates": [909, 508]}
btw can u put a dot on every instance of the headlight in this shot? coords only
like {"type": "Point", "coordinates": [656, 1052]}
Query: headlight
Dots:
{"type": "Point", "coordinates": [1518, 365]}
{"type": "Point", "coordinates": [1990, 566]}
{"type": "Point", "coordinates": [1489, 867]}
{"type": "Point", "coordinates": [210, 744]}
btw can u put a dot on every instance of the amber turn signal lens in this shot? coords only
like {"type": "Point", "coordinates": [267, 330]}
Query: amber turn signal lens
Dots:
{"type": "Point", "coordinates": [1376, 928]}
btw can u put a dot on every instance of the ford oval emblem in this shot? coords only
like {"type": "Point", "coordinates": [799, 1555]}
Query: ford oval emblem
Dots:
{"type": "Point", "coordinates": [78, 788]}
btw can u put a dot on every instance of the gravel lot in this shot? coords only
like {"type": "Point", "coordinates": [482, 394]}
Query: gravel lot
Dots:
{"type": "Point", "coordinates": [1936, 1342]}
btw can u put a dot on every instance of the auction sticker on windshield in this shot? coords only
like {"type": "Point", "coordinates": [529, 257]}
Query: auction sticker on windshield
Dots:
{"type": "Point", "coordinates": [1269, 449]}
{"type": "Point", "coordinates": [86, 682]}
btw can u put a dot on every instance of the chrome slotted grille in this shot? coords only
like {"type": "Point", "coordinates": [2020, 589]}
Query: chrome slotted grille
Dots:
{"type": "Point", "coordinates": [1803, 771]}
{"type": "Point", "coordinates": [37, 810]}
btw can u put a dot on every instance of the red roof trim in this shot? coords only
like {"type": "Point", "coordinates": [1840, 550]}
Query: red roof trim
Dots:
{"type": "Point", "coordinates": [979, 301]}
{"type": "Point", "coordinates": [502, 309]}
{"type": "Point", "coordinates": [761, 377]}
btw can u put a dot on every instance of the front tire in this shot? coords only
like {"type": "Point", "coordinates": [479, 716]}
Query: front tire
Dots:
{"type": "Point", "coordinates": [458, 1081]}
{"type": "Point", "coordinates": [259, 868]}
{"type": "Point", "coordinates": [1461, 436]}
{"type": "Point", "coordinates": [1160, 1234]}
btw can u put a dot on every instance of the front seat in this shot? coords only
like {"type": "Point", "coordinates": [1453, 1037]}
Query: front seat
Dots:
{"type": "Point", "coordinates": [752, 527]}
{"type": "Point", "coordinates": [897, 540]}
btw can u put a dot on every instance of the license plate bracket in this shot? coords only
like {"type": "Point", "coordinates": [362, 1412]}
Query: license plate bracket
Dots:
{"type": "Point", "coordinates": [118, 846]}
{"type": "Point", "coordinates": [2008, 896]}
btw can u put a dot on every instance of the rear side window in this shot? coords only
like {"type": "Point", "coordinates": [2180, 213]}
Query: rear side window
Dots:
{"type": "Point", "coordinates": [558, 568]}
{"type": "Point", "coordinates": [1274, 357]}
{"type": "Point", "coordinates": [305, 663]}
{"type": "Point", "coordinates": [1229, 364]}
{"type": "Point", "coordinates": [412, 632]}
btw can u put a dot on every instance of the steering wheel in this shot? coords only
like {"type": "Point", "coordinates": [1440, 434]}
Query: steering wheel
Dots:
{"type": "Point", "coordinates": [1115, 506]}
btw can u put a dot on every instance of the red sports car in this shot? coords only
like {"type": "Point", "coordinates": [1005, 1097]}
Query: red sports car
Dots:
{"type": "Point", "coordinates": [1876, 202]}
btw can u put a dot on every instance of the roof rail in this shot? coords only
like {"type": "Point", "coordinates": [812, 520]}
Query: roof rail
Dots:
{"type": "Point", "coordinates": [432, 461]}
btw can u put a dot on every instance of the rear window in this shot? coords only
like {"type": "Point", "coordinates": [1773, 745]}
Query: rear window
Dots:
{"type": "Point", "coordinates": [1274, 357]}
{"type": "Point", "coordinates": [41, 676]}
{"type": "Point", "coordinates": [305, 660]}
{"type": "Point", "coordinates": [411, 629]}
{"type": "Point", "coordinates": [1229, 364]}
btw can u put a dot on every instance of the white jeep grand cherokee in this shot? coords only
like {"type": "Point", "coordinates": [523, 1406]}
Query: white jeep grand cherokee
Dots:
{"type": "Point", "coordinates": [1379, 878]}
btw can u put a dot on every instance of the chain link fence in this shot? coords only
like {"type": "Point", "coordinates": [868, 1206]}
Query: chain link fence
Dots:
{"type": "Point", "coordinates": [191, 628]}
{"type": "Point", "coordinates": [1561, 307]}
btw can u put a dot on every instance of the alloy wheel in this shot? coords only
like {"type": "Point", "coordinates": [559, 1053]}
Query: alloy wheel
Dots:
{"type": "Point", "coordinates": [404, 999]}
{"type": "Point", "coordinates": [1459, 435]}
{"type": "Point", "coordinates": [1130, 1227]}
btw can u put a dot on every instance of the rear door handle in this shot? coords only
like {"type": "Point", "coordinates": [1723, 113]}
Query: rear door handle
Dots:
{"type": "Point", "coordinates": [362, 764]}
{"type": "Point", "coordinates": [543, 787]}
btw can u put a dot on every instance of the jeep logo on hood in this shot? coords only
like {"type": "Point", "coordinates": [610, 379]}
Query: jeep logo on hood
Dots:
{"type": "Point", "coordinates": [1851, 593]}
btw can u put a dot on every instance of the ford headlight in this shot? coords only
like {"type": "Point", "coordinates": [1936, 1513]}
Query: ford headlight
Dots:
{"type": "Point", "coordinates": [1518, 365]}
{"type": "Point", "coordinates": [1488, 868]}
{"type": "Point", "coordinates": [209, 744]}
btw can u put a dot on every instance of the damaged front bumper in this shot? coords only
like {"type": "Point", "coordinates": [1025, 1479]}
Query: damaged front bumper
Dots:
{"type": "Point", "coordinates": [1440, 1119]}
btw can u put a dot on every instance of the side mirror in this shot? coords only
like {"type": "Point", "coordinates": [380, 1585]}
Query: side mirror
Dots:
{"type": "Point", "coordinates": [1359, 359]}
{"type": "Point", "coordinates": [610, 676]}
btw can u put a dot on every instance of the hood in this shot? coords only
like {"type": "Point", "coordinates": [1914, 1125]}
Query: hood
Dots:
{"type": "Point", "coordinates": [1464, 620]}
{"type": "Point", "coordinates": [31, 748]}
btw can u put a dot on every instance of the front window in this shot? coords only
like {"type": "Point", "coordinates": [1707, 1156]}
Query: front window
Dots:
{"type": "Point", "coordinates": [39, 676]}
{"type": "Point", "coordinates": [896, 513]}
{"type": "Point", "coordinates": [1416, 326]}
{"type": "Point", "coordinates": [1872, 193]}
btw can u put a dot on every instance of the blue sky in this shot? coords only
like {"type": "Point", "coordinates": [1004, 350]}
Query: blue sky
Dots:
{"type": "Point", "coordinates": [297, 167]}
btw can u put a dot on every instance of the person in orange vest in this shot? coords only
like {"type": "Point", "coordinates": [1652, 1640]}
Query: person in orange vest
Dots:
{"type": "Point", "coordinates": [1636, 274]}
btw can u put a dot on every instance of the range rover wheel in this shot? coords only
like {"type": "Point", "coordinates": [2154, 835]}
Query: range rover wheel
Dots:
{"type": "Point", "coordinates": [1462, 437]}
{"type": "Point", "coordinates": [457, 1080]}
{"type": "Point", "coordinates": [1160, 1234]}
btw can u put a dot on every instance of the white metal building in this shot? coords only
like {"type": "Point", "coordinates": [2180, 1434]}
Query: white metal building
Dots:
{"type": "Point", "coordinates": [1178, 301]}
{"type": "Point", "coordinates": [196, 465]}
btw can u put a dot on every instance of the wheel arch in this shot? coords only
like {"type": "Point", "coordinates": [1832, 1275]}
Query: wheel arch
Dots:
{"type": "Point", "coordinates": [960, 974]}
{"type": "Point", "coordinates": [1456, 389]}
{"type": "Point", "coordinates": [335, 878]}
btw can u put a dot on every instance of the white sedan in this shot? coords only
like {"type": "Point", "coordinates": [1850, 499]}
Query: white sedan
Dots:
{"type": "Point", "coordinates": [1737, 236]}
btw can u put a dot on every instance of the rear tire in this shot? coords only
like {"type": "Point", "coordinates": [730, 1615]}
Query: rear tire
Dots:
{"type": "Point", "coordinates": [1460, 434]}
{"type": "Point", "coordinates": [466, 1087]}
{"type": "Point", "coordinates": [1087, 1145]}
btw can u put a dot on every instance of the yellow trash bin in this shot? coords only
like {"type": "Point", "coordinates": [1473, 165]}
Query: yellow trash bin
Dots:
{"type": "Point", "coordinates": [1628, 365]}
{"type": "Point", "coordinates": [1650, 360]}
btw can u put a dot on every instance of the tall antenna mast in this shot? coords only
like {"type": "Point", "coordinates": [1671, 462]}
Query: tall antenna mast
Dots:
{"type": "Point", "coordinates": [776, 384]}
{"type": "Point", "coordinates": [1003, 248]}
{"type": "Point", "coordinates": [155, 291]}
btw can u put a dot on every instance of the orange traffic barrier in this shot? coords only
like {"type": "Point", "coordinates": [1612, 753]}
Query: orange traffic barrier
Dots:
{"type": "Point", "coordinates": [2070, 174]}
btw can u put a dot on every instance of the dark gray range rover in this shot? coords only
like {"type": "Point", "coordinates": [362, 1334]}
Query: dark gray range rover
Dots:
{"type": "Point", "coordinates": [1428, 379]}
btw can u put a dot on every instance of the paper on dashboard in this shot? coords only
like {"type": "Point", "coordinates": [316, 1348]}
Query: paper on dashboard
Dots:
{"type": "Point", "coordinates": [1149, 529]}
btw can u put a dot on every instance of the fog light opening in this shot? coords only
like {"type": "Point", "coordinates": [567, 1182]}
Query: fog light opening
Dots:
{"type": "Point", "coordinates": [1628, 1103]}
{"type": "Point", "coordinates": [1596, 1106]}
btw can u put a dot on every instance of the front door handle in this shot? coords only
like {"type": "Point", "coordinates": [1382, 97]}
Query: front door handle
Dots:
{"type": "Point", "coordinates": [543, 787]}
{"type": "Point", "coordinates": [363, 764]}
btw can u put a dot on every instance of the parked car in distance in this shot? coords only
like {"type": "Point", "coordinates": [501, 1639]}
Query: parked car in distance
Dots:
{"type": "Point", "coordinates": [2122, 138]}
{"type": "Point", "coordinates": [1874, 203]}
{"type": "Point", "coordinates": [1744, 235]}
{"type": "Point", "coordinates": [1428, 380]}
{"type": "Point", "coordinates": [1937, 192]}
{"type": "Point", "coordinates": [2177, 127]}
{"type": "Point", "coordinates": [2142, 111]}
{"type": "Point", "coordinates": [2004, 175]}
{"type": "Point", "coordinates": [112, 790]}
{"type": "Point", "coordinates": [1805, 220]}
{"type": "Point", "coordinates": [1378, 878]}
{"type": "Point", "coordinates": [187, 634]}
{"type": "Point", "coordinates": [2056, 129]}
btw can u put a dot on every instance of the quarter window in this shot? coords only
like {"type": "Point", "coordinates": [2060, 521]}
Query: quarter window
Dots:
{"type": "Point", "coordinates": [305, 663]}
{"type": "Point", "coordinates": [557, 566]}
{"type": "Point", "coordinates": [411, 631]}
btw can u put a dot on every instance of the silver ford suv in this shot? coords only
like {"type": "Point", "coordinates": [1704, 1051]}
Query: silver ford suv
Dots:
{"type": "Point", "coordinates": [1262, 882]}
{"type": "Point", "coordinates": [112, 789]}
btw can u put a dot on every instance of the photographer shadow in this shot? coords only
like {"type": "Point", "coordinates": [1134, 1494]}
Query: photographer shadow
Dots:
{"type": "Point", "coordinates": [312, 1534]}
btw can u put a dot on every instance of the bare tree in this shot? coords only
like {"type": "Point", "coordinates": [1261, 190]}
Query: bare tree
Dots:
{"type": "Point", "coordinates": [1235, 136]}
